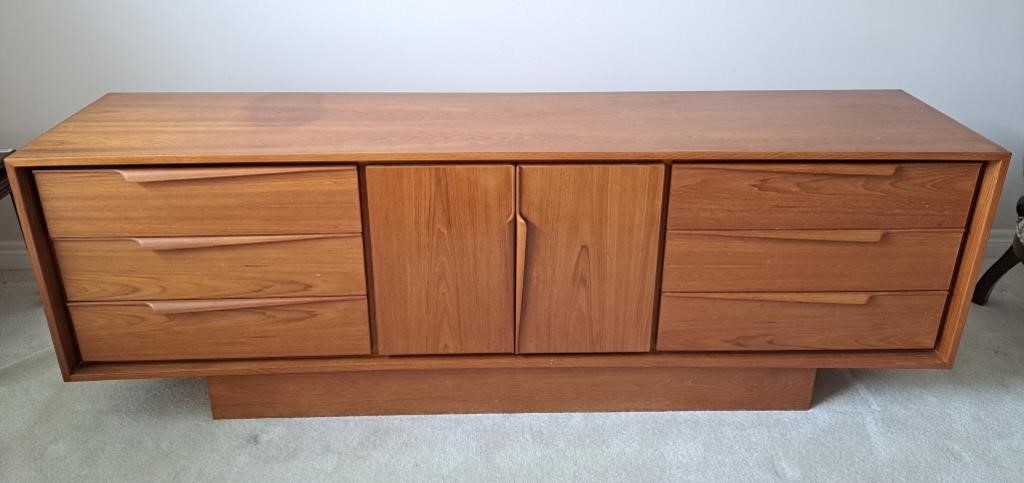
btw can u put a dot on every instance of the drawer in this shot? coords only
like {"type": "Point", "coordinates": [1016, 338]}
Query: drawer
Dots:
{"type": "Point", "coordinates": [809, 260]}
{"type": "Point", "coordinates": [221, 329]}
{"type": "Point", "coordinates": [211, 267]}
{"type": "Point", "coordinates": [200, 201]}
{"type": "Point", "coordinates": [729, 196]}
{"type": "Point", "coordinates": [799, 321]}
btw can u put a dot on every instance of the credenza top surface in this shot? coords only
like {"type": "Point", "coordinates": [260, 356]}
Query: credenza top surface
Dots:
{"type": "Point", "coordinates": [175, 128]}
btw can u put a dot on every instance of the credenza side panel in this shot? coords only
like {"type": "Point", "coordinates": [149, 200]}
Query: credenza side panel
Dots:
{"type": "Point", "coordinates": [44, 266]}
{"type": "Point", "coordinates": [592, 235]}
{"type": "Point", "coordinates": [443, 256]}
{"type": "Point", "coordinates": [989, 189]}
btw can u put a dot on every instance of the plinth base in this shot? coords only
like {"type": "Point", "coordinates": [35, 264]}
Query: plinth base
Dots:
{"type": "Point", "coordinates": [478, 390]}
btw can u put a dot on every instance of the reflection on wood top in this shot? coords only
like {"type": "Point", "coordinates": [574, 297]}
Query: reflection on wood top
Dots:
{"type": "Point", "coordinates": [171, 128]}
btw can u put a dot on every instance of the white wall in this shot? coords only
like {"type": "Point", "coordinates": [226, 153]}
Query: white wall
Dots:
{"type": "Point", "coordinates": [964, 57]}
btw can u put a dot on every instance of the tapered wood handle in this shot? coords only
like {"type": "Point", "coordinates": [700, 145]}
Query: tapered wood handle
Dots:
{"type": "Point", "coordinates": [852, 236]}
{"type": "Point", "coordinates": [150, 175]}
{"type": "Point", "coordinates": [171, 307]}
{"type": "Point", "coordinates": [191, 243]}
{"type": "Point", "coordinates": [841, 169]}
{"type": "Point", "coordinates": [833, 298]}
{"type": "Point", "coordinates": [521, 240]}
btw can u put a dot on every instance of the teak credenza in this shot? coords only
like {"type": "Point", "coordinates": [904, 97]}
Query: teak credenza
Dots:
{"type": "Point", "coordinates": [336, 254]}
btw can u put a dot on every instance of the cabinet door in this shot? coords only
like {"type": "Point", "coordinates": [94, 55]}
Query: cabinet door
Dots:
{"type": "Point", "coordinates": [442, 245]}
{"type": "Point", "coordinates": [589, 254]}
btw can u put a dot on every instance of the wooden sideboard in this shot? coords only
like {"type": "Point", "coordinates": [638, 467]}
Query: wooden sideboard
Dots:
{"type": "Point", "coordinates": [336, 254]}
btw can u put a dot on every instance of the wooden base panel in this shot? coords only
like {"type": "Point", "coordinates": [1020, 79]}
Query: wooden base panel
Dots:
{"type": "Point", "coordinates": [509, 391]}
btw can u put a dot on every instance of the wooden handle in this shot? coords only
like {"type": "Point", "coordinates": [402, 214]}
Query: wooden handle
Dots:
{"type": "Point", "coordinates": [149, 175]}
{"type": "Point", "coordinates": [171, 307]}
{"type": "Point", "coordinates": [854, 236]}
{"type": "Point", "coordinates": [833, 298]}
{"type": "Point", "coordinates": [521, 233]}
{"type": "Point", "coordinates": [521, 240]}
{"type": "Point", "coordinates": [191, 243]}
{"type": "Point", "coordinates": [843, 169]}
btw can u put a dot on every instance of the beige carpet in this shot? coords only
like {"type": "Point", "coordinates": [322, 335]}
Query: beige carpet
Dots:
{"type": "Point", "coordinates": [960, 425]}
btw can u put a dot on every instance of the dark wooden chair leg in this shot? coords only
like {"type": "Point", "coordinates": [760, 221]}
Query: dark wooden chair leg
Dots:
{"type": "Point", "coordinates": [987, 281]}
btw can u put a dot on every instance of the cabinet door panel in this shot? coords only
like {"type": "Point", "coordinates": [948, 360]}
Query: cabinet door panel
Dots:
{"type": "Point", "coordinates": [442, 244]}
{"type": "Point", "coordinates": [590, 258]}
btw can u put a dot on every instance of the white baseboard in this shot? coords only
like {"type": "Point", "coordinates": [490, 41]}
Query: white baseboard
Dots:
{"type": "Point", "coordinates": [13, 255]}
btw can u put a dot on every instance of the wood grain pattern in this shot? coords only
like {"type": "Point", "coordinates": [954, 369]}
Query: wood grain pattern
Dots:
{"type": "Point", "coordinates": [509, 390]}
{"type": "Point", "coordinates": [223, 201]}
{"type": "Point", "coordinates": [44, 267]}
{"type": "Point", "coordinates": [282, 327]}
{"type": "Point", "coordinates": [821, 196]}
{"type": "Point", "coordinates": [990, 187]}
{"type": "Point", "coordinates": [443, 256]}
{"type": "Point", "coordinates": [809, 260]}
{"type": "Point", "coordinates": [211, 267]}
{"type": "Point", "coordinates": [800, 321]}
{"type": "Point", "coordinates": [172, 128]}
{"type": "Point", "coordinates": [591, 257]}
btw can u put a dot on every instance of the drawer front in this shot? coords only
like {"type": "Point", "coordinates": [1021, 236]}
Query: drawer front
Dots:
{"type": "Point", "coordinates": [221, 329]}
{"type": "Point", "coordinates": [211, 267]}
{"type": "Point", "coordinates": [801, 260]}
{"type": "Point", "coordinates": [799, 321]}
{"type": "Point", "coordinates": [200, 201]}
{"type": "Point", "coordinates": [821, 196]}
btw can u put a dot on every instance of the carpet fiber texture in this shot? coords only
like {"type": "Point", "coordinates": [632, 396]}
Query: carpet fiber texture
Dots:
{"type": "Point", "coordinates": [961, 425]}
